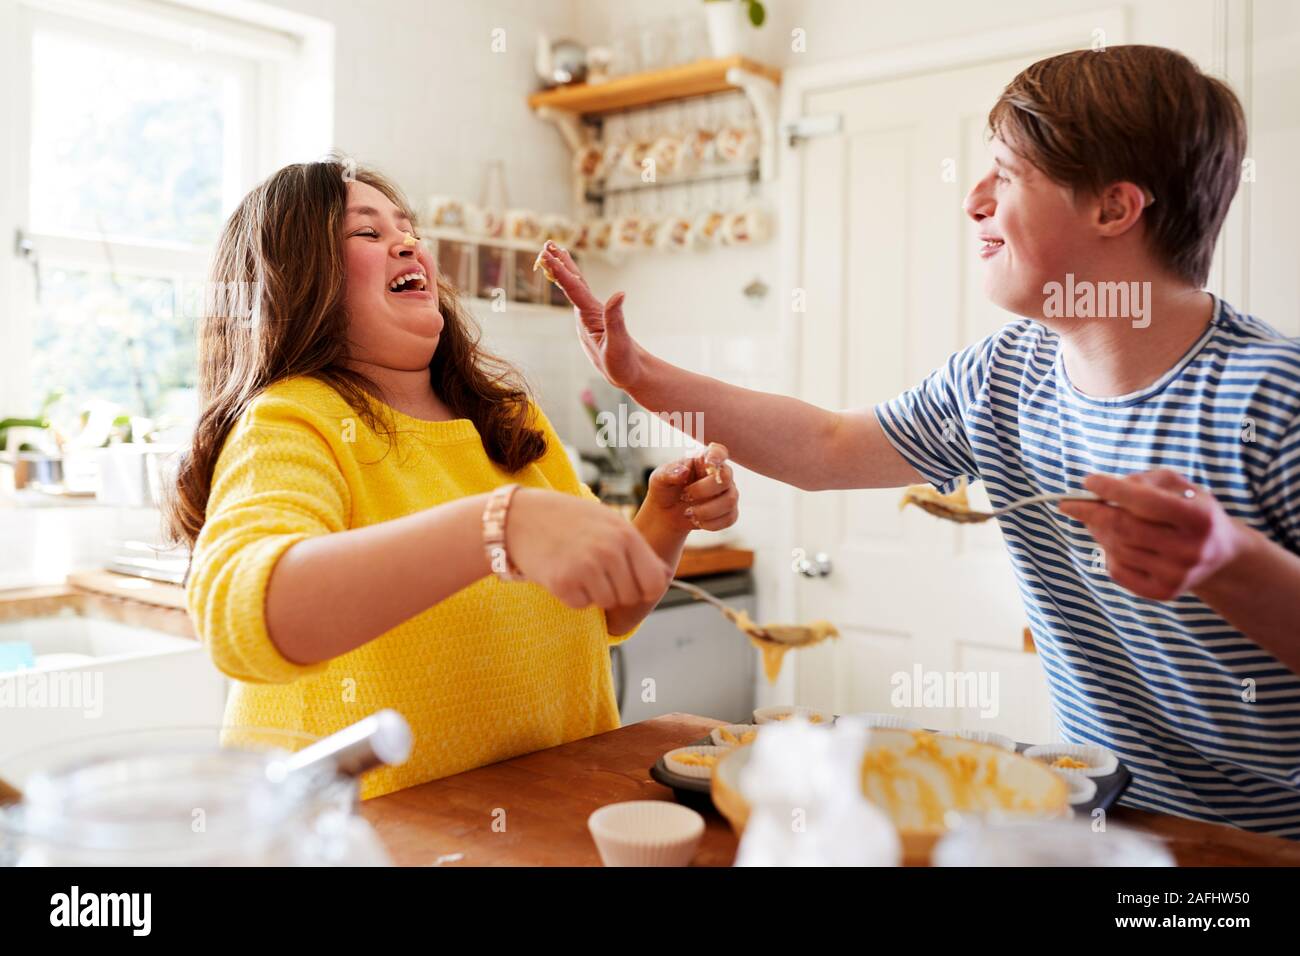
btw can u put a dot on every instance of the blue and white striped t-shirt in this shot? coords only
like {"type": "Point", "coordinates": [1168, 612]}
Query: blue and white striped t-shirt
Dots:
{"type": "Point", "coordinates": [1163, 684]}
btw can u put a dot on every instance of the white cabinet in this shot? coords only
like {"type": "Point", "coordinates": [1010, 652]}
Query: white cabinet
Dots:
{"type": "Point", "coordinates": [687, 658]}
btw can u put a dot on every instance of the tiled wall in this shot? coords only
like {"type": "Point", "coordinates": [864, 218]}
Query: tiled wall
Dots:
{"type": "Point", "coordinates": [40, 544]}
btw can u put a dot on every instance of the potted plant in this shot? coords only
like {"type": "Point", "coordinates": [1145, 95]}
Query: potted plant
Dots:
{"type": "Point", "coordinates": [726, 21]}
{"type": "Point", "coordinates": [31, 447]}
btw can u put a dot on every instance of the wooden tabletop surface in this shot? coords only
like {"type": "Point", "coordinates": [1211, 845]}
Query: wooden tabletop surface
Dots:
{"type": "Point", "coordinates": [532, 810]}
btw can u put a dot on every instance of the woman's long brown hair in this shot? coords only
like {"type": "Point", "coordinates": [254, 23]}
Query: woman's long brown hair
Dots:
{"type": "Point", "coordinates": [275, 310]}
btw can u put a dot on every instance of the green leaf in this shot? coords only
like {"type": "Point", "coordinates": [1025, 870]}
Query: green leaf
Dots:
{"type": "Point", "coordinates": [757, 15]}
{"type": "Point", "coordinates": [54, 395]}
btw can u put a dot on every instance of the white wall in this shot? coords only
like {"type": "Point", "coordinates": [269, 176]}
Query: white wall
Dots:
{"type": "Point", "coordinates": [420, 93]}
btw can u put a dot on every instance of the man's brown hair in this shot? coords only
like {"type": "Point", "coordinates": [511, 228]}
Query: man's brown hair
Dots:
{"type": "Point", "coordinates": [1139, 114]}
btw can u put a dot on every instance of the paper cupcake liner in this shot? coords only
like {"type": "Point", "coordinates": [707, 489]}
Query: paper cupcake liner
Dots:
{"type": "Point", "coordinates": [646, 833]}
{"type": "Point", "coordinates": [776, 715]}
{"type": "Point", "coordinates": [987, 737]}
{"type": "Point", "coordinates": [736, 730]}
{"type": "Point", "coordinates": [885, 721]}
{"type": "Point", "coordinates": [693, 770]}
{"type": "Point", "coordinates": [1100, 761]}
{"type": "Point", "coordinates": [1081, 789]}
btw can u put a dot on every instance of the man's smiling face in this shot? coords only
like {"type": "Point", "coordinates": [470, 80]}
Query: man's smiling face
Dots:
{"type": "Point", "coordinates": [1032, 231]}
{"type": "Point", "coordinates": [396, 325]}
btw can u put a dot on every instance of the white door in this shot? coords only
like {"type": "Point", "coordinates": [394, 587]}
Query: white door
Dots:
{"type": "Point", "coordinates": [888, 265]}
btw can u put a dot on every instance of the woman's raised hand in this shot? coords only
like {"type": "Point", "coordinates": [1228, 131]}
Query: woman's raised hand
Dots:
{"type": "Point", "coordinates": [601, 330]}
{"type": "Point", "coordinates": [582, 551]}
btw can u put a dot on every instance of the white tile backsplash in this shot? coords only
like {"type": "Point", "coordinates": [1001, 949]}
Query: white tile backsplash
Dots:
{"type": "Point", "coordinates": [42, 544]}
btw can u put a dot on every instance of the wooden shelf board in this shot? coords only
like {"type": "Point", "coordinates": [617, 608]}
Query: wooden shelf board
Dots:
{"type": "Point", "coordinates": [697, 562]}
{"type": "Point", "coordinates": [642, 89]}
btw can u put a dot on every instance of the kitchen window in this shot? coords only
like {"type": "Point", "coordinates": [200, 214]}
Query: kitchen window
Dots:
{"type": "Point", "coordinates": [137, 127]}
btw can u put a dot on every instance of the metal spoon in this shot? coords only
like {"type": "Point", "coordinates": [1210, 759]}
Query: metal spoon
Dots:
{"type": "Point", "coordinates": [966, 516]}
{"type": "Point", "coordinates": [788, 635]}
{"type": "Point", "coordinates": [382, 738]}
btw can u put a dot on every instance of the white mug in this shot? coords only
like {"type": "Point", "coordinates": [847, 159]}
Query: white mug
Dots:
{"type": "Point", "coordinates": [589, 162]}
{"type": "Point", "coordinates": [670, 155]}
{"type": "Point", "coordinates": [523, 224]}
{"type": "Point", "coordinates": [745, 226]}
{"type": "Point", "coordinates": [633, 154]}
{"type": "Point", "coordinates": [602, 235]}
{"type": "Point", "coordinates": [677, 233]}
{"type": "Point", "coordinates": [582, 236]}
{"type": "Point", "coordinates": [737, 144]}
{"type": "Point", "coordinates": [627, 232]}
{"type": "Point", "coordinates": [702, 144]}
{"type": "Point", "coordinates": [708, 227]}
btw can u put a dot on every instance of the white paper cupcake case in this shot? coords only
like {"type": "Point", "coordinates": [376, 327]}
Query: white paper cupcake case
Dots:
{"type": "Point", "coordinates": [646, 833]}
{"type": "Point", "coordinates": [691, 770]}
{"type": "Point", "coordinates": [884, 721]}
{"type": "Point", "coordinates": [1101, 762]}
{"type": "Point", "coordinates": [987, 737]}
{"type": "Point", "coordinates": [736, 730]}
{"type": "Point", "coordinates": [770, 715]}
{"type": "Point", "coordinates": [1082, 789]}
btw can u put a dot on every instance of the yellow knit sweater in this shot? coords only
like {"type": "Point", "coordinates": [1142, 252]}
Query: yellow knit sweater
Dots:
{"type": "Point", "coordinates": [493, 671]}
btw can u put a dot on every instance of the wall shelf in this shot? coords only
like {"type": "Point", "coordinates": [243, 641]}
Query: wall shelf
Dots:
{"type": "Point", "coordinates": [648, 89]}
{"type": "Point", "coordinates": [568, 106]}
{"type": "Point", "coordinates": [600, 189]}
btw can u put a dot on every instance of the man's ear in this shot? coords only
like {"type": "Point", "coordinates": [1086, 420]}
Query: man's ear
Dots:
{"type": "Point", "coordinates": [1119, 206]}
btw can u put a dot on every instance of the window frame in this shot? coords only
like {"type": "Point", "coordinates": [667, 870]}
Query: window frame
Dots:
{"type": "Point", "coordinates": [283, 65]}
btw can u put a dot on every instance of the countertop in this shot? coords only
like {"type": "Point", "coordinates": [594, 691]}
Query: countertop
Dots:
{"type": "Point", "coordinates": [540, 802]}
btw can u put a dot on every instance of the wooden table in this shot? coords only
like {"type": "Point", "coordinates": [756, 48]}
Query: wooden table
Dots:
{"type": "Point", "coordinates": [544, 798]}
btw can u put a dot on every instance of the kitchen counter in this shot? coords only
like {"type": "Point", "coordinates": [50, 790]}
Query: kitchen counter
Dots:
{"type": "Point", "coordinates": [161, 605]}
{"type": "Point", "coordinates": [547, 796]}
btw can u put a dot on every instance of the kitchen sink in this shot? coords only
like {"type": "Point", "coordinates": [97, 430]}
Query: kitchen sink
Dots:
{"type": "Point", "coordinates": [91, 674]}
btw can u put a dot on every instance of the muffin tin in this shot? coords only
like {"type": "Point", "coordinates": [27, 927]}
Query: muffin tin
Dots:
{"type": "Point", "coordinates": [696, 791]}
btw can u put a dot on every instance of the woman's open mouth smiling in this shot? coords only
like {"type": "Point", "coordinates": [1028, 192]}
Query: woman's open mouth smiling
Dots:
{"type": "Point", "coordinates": [412, 282]}
{"type": "Point", "coordinates": [990, 246]}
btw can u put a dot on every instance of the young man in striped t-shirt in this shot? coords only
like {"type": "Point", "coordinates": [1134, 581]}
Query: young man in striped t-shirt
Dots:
{"type": "Point", "coordinates": [1167, 618]}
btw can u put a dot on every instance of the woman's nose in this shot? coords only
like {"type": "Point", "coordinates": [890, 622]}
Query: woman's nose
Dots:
{"type": "Point", "coordinates": [978, 204]}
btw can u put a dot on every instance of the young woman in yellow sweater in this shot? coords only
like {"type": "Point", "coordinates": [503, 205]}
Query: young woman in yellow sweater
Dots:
{"type": "Point", "coordinates": [379, 515]}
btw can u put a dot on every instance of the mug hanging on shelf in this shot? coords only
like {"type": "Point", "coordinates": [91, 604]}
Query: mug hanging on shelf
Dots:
{"type": "Point", "coordinates": [627, 228]}
{"type": "Point", "coordinates": [703, 139]}
{"type": "Point", "coordinates": [737, 145]}
{"type": "Point", "coordinates": [678, 231]}
{"type": "Point", "coordinates": [602, 236]}
{"type": "Point", "coordinates": [589, 162]}
{"type": "Point", "coordinates": [708, 224]}
{"type": "Point", "coordinates": [708, 227]}
{"type": "Point", "coordinates": [669, 154]}
{"type": "Point", "coordinates": [745, 226]}
{"type": "Point", "coordinates": [637, 148]}
{"type": "Point", "coordinates": [738, 139]}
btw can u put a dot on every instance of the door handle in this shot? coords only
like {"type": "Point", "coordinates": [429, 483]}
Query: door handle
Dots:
{"type": "Point", "coordinates": [818, 566]}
